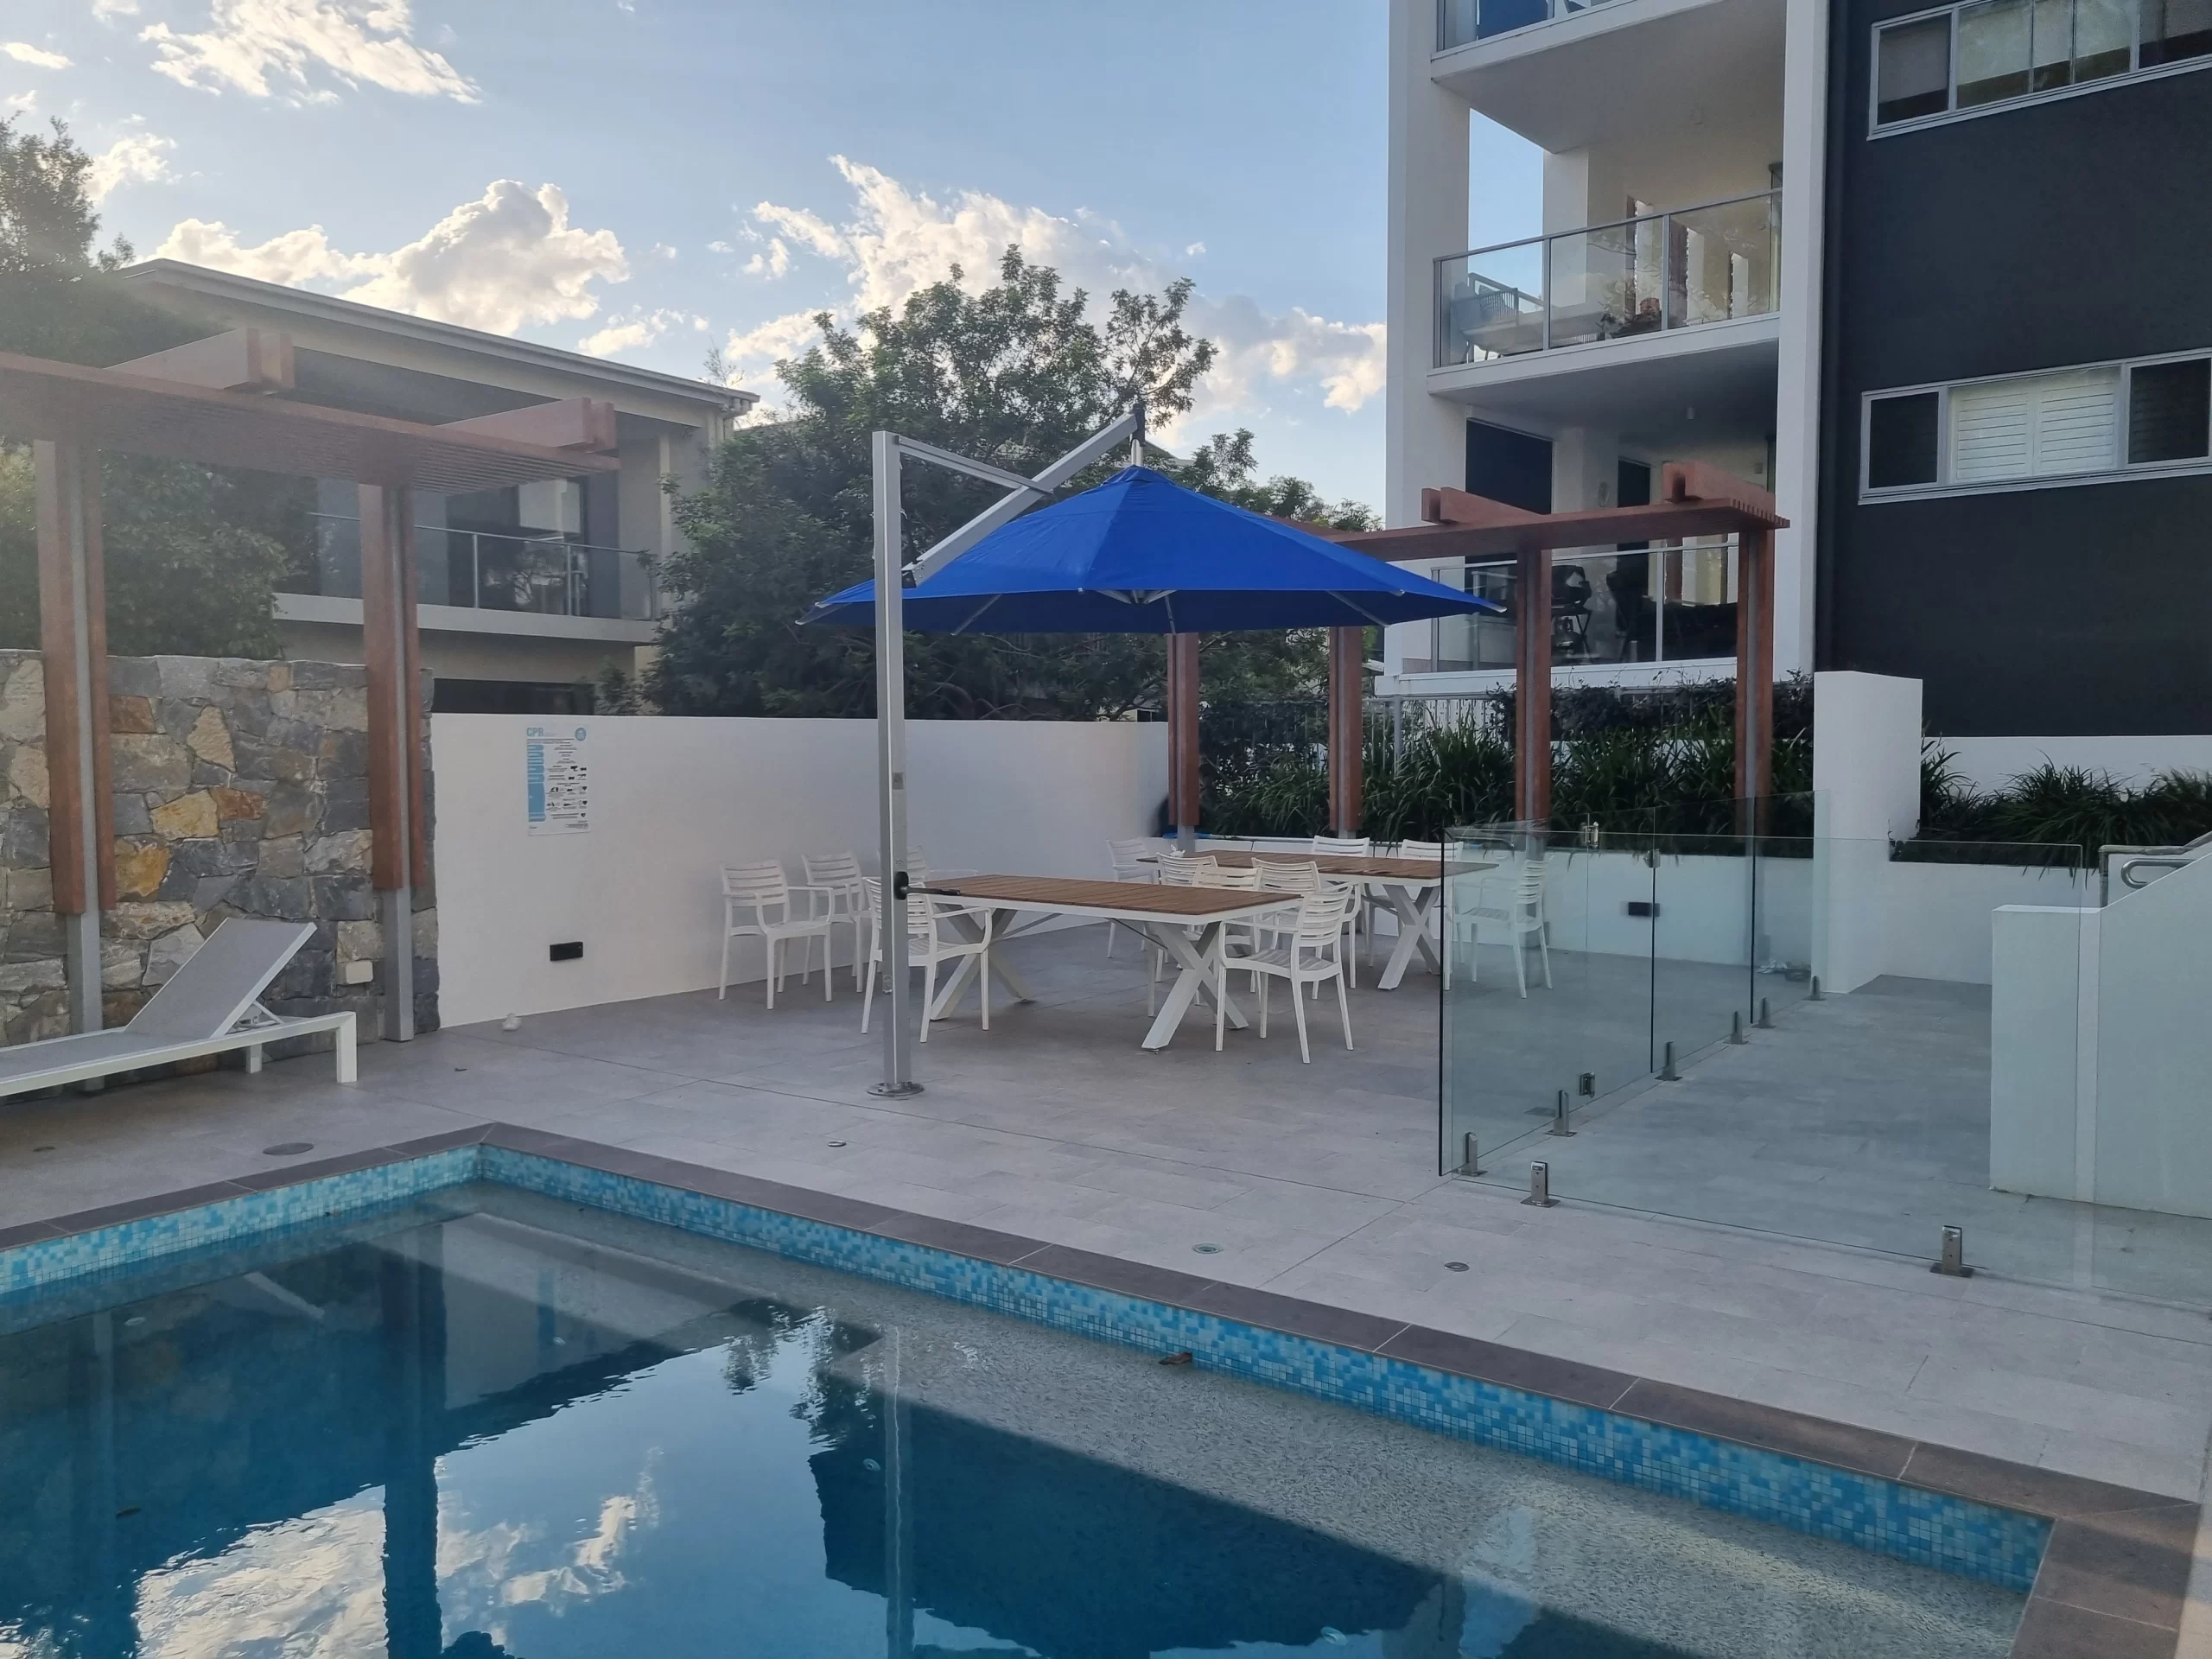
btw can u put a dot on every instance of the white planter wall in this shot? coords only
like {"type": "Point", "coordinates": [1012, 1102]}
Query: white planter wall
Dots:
{"type": "Point", "coordinates": [674, 799]}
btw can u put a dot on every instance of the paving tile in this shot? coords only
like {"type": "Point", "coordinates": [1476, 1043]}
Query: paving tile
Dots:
{"type": "Point", "coordinates": [2132, 1565]}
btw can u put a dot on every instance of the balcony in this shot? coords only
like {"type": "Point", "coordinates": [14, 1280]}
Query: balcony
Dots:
{"type": "Point", "coordinates": [1611, 608]}
{"type": "Point", "coordinates": [1462, 22]}
{"type": "Point", "coordinates": [520, 582]}
{"type": "Point", "coordinates": [1647, 276]}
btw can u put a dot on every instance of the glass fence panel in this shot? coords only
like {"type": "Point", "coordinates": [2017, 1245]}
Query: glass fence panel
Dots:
{"type": "Point", "coordinates": [2147, 1164]}
{"type": "Point", "coordinates": [1492, 304]}
{"type": "Point", "coordinates": [1547, 990]}
{"type": "Point", "coordinates": [1605, 282]}
{"type": "Point", "coordinates": [1723, 261]}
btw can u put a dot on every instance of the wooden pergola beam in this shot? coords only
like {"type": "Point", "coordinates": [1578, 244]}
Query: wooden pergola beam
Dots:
{"type": "Point", "coordinates": [208, 403]}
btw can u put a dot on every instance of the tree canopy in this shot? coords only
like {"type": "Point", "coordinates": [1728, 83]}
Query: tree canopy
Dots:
{"type": "Point", "coordinates": [1017, 375]}
{"type": "Point", "coordinates": [194, 553]}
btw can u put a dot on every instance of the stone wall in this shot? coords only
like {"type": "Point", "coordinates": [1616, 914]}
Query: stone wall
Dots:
{"type": "Point", "coordinates": [241, 788]}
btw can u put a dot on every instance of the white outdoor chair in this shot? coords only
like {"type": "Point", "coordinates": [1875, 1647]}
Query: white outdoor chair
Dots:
{"type": "Point", "coordinates": [1134, 860]}
{"type": "Point", "coordinates": [1315, 953]}
{"type": "Point", "coordinates": [210, 1005]}
{"type": "Point", "coordinates": [1352, 846]}
{"type": "Point", "coordinates": [761, 892]}
{"type": "Point", "coordinates": [1176, 870]}
{"type": "Point", "coordinates": [1518, 908]}
{"type": "Point", "coordinates": [931, 939]}
{"type": "Point", "coordinates": [1344, 846]}
{"type": "Point", "coordinates": [837, 876]}
{"type": "Point", "coordinates": [1277, 876]}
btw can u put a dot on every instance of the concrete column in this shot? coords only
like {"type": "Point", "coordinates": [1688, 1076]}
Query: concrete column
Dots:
{"type": "Point", "coordinates": [1425, 437]}
{"type": "Point", "coordinates": [1796, 481]}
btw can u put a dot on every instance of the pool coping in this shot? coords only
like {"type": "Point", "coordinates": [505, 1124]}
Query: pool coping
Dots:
{"type": "Point", "coordinates": [2112, 1578]}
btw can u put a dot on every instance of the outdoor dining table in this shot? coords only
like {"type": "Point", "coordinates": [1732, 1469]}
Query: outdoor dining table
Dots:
{"type": "Point", "coordinates": [1166, 917]}
{"type": "Point", "coordinates": [1413, 887]}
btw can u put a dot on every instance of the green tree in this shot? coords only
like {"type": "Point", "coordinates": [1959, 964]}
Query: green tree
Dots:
{"type": "Point", "coordinates": [1017, 375]}
{"type": "Point", "coordinates": [194, 553]}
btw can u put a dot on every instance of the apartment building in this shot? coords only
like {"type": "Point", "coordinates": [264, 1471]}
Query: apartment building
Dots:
{"type": "Point", "coordinates": [525, 594]}
{"type": "Point", "coordinates": [1932, 277]}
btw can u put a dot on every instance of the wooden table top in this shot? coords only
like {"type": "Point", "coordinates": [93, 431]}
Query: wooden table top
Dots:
{"type": "Point", "coordinates": [1077, 892]}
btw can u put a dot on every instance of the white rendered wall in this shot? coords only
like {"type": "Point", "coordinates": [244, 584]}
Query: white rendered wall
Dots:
{"type": "Point", "coordinates": [1866, 787]}
{"type": "Point", "coordinates": [2042, 1097]}
{"type": "Point", "coordinates": [1796, 477]}
{"type": "Point", "coordinates": [672, 800]}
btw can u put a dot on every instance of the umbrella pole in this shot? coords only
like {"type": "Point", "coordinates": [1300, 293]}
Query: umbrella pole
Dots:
{"type": "Point", "coordinates": [890, 770]}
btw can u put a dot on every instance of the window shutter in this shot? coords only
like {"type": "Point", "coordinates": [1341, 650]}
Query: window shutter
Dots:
{"type": "Point", "coordinates": [2037, 426]}
{"type": "Point", "coordinates": [2077, 426]}
{"type": "Point", "coordinates": [1992, 431]}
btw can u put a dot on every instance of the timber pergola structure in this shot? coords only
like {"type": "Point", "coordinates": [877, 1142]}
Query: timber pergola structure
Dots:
{"type": "Point", "coordinates": [1696, 499]}
{"type": "Point", "coordinates": [220, 402]}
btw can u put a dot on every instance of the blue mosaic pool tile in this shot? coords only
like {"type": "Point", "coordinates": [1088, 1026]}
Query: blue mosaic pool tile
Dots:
{"type": "Point", "coordinates": [1956, 1536]}
{"type": "Point", "coordinates": [128, 1243]}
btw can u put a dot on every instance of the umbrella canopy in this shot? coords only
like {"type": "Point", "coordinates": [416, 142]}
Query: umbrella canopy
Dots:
{"type": "Point", "coordinates": [1141, 554]}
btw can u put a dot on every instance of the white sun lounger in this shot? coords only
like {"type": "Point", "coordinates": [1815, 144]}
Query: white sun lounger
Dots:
{"type": "Point", "coordinates": [209, 1005]}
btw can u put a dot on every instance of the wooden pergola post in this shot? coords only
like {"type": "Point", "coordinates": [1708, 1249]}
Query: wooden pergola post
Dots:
{"type": "Point", "coordinates": [1754, 674]}
{"type": "Point", "coordinates": [1347, 727]}
{"type": "Point", "coordinates": [398, 829]}
{"type": "Point", "coordinates": [1183, 736]}
{"type": "Point", "coordinates": [1532, 686]}
{"type": "Point", "coordinates": [73, 644]}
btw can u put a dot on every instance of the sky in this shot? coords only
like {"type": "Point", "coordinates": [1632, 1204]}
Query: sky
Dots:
{"type": "Point", "coordinates": [647, 180]}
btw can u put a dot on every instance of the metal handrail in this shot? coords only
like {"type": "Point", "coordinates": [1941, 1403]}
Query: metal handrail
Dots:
{"type": "Point", "coordinates": [1613, 224]}
{"type": "Point", "coordinates": [2132, 858]}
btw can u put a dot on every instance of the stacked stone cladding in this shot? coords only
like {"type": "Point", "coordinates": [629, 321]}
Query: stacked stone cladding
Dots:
{"type": "Point", "coordinates": [241, 788]}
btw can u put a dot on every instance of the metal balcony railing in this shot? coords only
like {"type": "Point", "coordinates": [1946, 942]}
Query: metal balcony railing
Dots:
{"type": "Point", "coordinates": [521, 570]}
{"type": "Point", "coordinates": [1658, 271]}
{"type": "Point", "coordinates": [1460, 21]}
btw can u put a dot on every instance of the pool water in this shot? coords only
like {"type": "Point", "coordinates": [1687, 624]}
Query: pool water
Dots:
{"type": "Point", "coordinates": [495, 1424]}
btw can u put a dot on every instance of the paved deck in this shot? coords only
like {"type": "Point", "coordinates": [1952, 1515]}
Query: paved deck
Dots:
{"type": "Point", "coordinates": [1313, 1180]}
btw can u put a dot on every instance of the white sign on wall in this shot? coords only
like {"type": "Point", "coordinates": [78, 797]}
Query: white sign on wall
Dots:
{"type": "Point", "coordinates": [557, 780]}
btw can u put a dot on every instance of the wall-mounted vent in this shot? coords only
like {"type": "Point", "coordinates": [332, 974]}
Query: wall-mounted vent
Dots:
{"type": "Point", "coordinates": [572, 950]}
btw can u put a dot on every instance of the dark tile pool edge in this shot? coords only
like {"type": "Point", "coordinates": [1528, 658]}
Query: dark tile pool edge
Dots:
{"type": "Point", "coordinates": [2110, 1568]}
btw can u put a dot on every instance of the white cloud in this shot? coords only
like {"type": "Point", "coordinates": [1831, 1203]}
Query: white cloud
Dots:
{"type": "Point", "coordinates": [637, 330]}
{"type": "Point", "coordinates": [261, 47]}
{"type": "Point", "coordinates": [21, 102]}
{"type": "Point", "coordinates": [136, 158]}
{"type": "Point", "coordinates": [503, 261]}
{"type": "Point", "coordinates": [896, 240]}
{"type": "Point", "coordinates": [772, 264]}
{"type": "Point", "coordinates": [104, 10]}
{"type": "Point", "coordinates": [24, 52]}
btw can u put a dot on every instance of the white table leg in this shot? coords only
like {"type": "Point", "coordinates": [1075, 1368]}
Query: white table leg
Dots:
{"type": "Point", "coordinates": [1413, 909]}
{"type": "Point", "coordinates": [964, 975]}
{"type": "Point", "coordinates": [1198, 961]}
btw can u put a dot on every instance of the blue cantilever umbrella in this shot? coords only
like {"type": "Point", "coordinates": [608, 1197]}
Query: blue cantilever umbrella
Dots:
{"type": "Point", "coordinates": [1141, 554]}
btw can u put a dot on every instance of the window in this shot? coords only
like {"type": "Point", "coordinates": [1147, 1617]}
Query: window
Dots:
{"type": "Point", "coordinates": [1970, 57]}
{"type": "Point", "coordinates": [2071, 424]}
{"type": "Point", "coordinates": [1913, 73]}
{"type": "Point", "coordinates": [1901, 440]}
{"type": "Point", "coordinates": [2170, 412]}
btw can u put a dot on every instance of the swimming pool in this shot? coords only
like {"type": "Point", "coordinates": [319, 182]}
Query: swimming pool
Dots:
{"type": "Point", "coordinates": [478, 1420]}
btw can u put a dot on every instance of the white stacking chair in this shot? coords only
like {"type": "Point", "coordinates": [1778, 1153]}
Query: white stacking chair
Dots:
{"type": "Point", "coordinates": [1135, 858]}
{"type": "Point", "coordinates": [1280, 876]}
{"type": "Point", "coordinates": [837, 876]}
{"type": "Point", "coordinates": [1315, 953]}
{"type": "Point", "coordinates": [1519, 909]}
{"type": "Point", "coordinates": [1350, 846]}
{"type": "Point", "coordinates": [757, 903]}
{"type": "Point", "coordinates": [931, 939]}
{"type": "Point", "coordinates": [1176, 870]}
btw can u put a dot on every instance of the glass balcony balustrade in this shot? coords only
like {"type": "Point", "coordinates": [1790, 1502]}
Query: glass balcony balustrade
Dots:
{"type": "Point", "coordinates": [1641, 275]}
{"type": "Point", "coordinates": [1461, 23]}
{"type": "Point", "coordinates": [517, 570]}
{"type": "Point", "coordinates": [1666, 604]}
